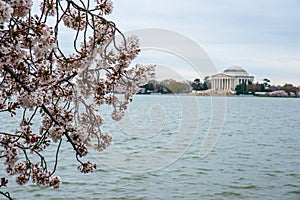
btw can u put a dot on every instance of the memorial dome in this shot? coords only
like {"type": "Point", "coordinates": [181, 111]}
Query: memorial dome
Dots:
{"type": "Point", "coordinates": [235, 71]}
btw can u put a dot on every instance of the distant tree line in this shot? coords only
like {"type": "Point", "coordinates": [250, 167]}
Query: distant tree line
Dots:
{"type": "Point", "coordinates": [165, 87]}
{"type": "Point", "coordinates": [266, 87]}
{"type": "Point", "coordinates": [168, 86]}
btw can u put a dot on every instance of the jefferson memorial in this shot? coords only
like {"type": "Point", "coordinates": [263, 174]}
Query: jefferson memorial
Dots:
{"type": "Point", "coordinates": [230, 78]}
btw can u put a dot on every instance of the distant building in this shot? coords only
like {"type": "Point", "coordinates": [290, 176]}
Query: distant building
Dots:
{"type": "Point", "coordinates": [230, 78]}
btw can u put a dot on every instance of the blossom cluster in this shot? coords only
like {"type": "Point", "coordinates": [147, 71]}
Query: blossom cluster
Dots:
{"type": "Point", "coordinates": [21, 7]}
{"type": "Point", "coordinates": [61, 94]}
{"type": "Point", "coordinates": [87, 167]}
{"type": "Point", "coordinates": [5, 11]}
{"type": "Point", "coordinates": [25, 170]}
{"type": "Point", "coordinates": [50, 6]}
{"type": "Point", "coordinates": [105, 140]}
{"type": "Point", "coordinates": [105, 6]}
{"type": "Point", "coordinates": [75, 19]}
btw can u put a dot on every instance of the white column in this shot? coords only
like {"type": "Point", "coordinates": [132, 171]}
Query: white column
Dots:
{"type": "Point", "coordinates": [215, 84]}
{"type": "Point", "coordinates": [234, 82]}
{"type": "Point", "coordinates": [222, 83]}
{"type": "Point", "coordinates": [227, 84]}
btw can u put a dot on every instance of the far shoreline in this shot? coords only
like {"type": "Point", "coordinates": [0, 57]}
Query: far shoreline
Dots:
{"type": "Point", "coordinates": [215, 95]}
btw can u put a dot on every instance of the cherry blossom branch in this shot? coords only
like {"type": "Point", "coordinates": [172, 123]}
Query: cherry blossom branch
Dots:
{"type": "Point", "coordinates": [6, 194]}
{"type": "Point", "coordinates": [15, 76]}
{"type": "Point", "coordinates": [42, 106]}
{"type": "Point", "coordinates": [51, 89]}
{"type": "Point", "coordinates": [56, 157]}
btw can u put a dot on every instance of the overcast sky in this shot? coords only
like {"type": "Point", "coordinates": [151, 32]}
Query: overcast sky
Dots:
{"type": "Point", "coordinates": [262, 36]}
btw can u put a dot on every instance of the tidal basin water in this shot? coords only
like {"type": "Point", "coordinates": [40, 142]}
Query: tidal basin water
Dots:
{"type": "Point", "coordinates": [257, 155]}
